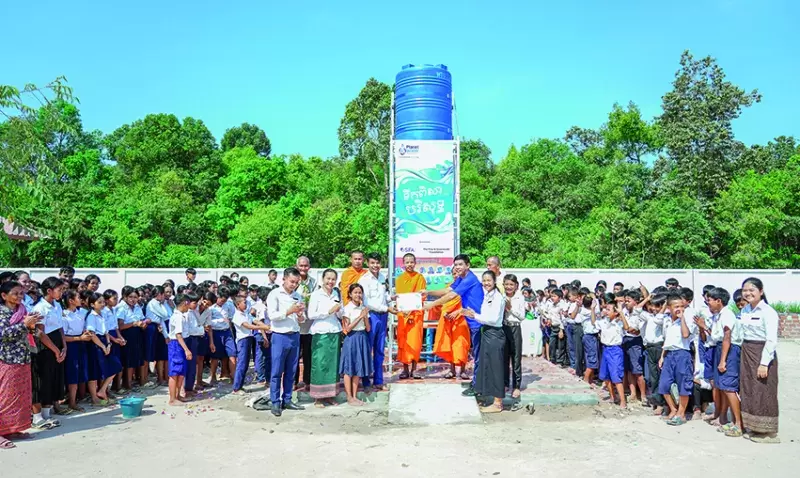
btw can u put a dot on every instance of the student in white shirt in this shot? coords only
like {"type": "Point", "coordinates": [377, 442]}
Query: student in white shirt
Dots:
{"type": "Point", "coordinates": [587, 318]}
{"type": "Point", "coordinates": [513, 316]}
{"type": "Point", "coordinates": [727, 336]}
{"type": "Point", "coordinates": [356, 361]}
{"type": "Point", "coordinates": [244, 325]}
{"type": "Point", "coordinates": [489, 382]}
{"type": "Point", "coordinates": [99, 351]}
{"type": "Point", "coordinates": [263, 359]}
{"type": "Point", "coordinates": [52, 356]}
{"type": "Point", "coordinates": [155, 343]}
{"type": "Point", "coordinates": [376, 299]}
{"type": "Point", "coordinates": [76, 370]}
{"type": "Point", "coordinates": [758, 382]}
{"type": "Point", "coordinates": [633, 345]}
{"type": "Point", "coordinates": [224, 344]}
{"type": "Point", "coordinates": [653, 335]}
{"type": "Point", "coordinates": [130, 318]}
{"type": "Point", "coordinates": [554, 312]}
{"type": "Point", "coordinates": [612, 368]}
{"type": "Point", "coordinates": [117, 340]}
{"type": "Point", "coordinates": [676, 360]}
{"type": "Point", "coordinates": [179, 351]}
{"type": "Point", "coordinates": [325, 312]}
{"type": "Point", "coordinates": [202, 336]}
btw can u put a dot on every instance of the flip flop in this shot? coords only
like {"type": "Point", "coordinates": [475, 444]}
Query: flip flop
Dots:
{"type": "Point", "coordinates": [764, 439]}
{"type": "Point", "coordinates": [6, 444]}
{"type": "Point", "coordinates": [676, 421]}
{"type": "Point", "coordinates": [43, 425]}
{"type": "Point", "coordinates": [416, 376]}
{"type": "Point", "coordinates": [449, 376]}
{"type": "Point", "coordinates": [403, 375]}
{"type": "Point", "coordinates": [725, 427]}
{"type": "Point", "coordinates": [735, 432]}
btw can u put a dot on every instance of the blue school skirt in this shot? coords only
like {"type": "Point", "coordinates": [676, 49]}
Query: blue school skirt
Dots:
{"type": "Point", "coordinates": [92, 363]}
{"type": "Point", "coordinates": [678, 368]}
{"type": "Point", "coordinates": [177, 359]}
{"type": "Point", "coordinates": [75, 366]}
{"type": "Point", "coordinates": [150, 339]}
{"type": "Point", "coordinates": [132, 351]}
{"type": "Point", "coordinates": [201, 345]}
{"type": "Point", "coordinates": [110, 364]}
{"type": "Point", "coordinates": [612, 366]}
{"type": "Point", "coordinates": [590, 352]}
{"type": "Point", "coordinates": [356, 359]}
{"type": "Point", "coordinates": [634, 354]}
{"type": "Point", "coordinates": [546, 332]}
{"type": "Point", "coordinates": [223, 341]}
{"type": "Point", "coordinates": [115, 348]}
{"type": "Point", "coordinates": [728, 381]}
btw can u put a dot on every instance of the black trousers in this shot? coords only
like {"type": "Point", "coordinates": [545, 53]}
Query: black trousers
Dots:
{"type": "Point", "coordinates": [51, 373]}
{"type": "Point", "coordinates": [700, 396]}
{"type": "Point", "coordinates": [305, 354]}
{"type": "Point", "coordinates": [652, 356]}
{"type": "Point", "coordinates": [513, 356]}
{"type": "Point", "coordinates": [577, 339]}
{"type": "Point", "coordinates": [558, 347]}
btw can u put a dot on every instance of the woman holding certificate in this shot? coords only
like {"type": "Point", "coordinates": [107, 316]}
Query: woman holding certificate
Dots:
{"type": "Point", "coordinates": [409, 322]}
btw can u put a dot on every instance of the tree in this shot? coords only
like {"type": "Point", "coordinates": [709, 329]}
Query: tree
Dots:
{"type": "Point", "coordinates": [246, 135]}
{"type": "Point", "coordinates": [364, 134]}
{"type": "Point", "coordinates": [696, 125]}
{"type": "Point", "coordinates": [629, 137]}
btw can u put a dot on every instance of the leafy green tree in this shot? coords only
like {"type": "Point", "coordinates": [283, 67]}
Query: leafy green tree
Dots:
{"type": "Point", "coordinates": [246, 135]}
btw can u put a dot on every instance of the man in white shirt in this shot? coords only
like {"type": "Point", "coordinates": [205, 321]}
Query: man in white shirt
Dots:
{"type": "Point", "coordinates": [305, 288]}
{"type": "Point", "coordinates": [376, 298]}
{"type": "Point", "coordinates": [285, 308]}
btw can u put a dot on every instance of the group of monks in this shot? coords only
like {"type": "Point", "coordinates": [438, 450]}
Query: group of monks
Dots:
{"type": "Point", "coordinates": [452, 342]}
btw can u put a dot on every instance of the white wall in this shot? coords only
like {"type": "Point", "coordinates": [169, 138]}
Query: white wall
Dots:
{"type": "Point", "coordinates": [780, 285]}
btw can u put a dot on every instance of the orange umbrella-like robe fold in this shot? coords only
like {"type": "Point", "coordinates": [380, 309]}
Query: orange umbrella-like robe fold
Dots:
{"type": "Point", "coordinates": [410, 324]}
{"type": "Point", "coordinates": [452, 336]}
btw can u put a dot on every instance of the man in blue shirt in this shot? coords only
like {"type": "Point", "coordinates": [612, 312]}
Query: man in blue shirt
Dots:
{"type": "Point", "coordinates": [469, 289]}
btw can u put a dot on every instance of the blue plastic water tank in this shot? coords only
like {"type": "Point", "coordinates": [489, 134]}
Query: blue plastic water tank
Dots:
{"type": "Point", "coordinates": [423, 103]}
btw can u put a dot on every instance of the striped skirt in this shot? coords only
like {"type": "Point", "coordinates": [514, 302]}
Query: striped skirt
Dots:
{"type": "Point", "coordinates": [759, 396]}
{"type": "Point", "coordinates": [15, 398]}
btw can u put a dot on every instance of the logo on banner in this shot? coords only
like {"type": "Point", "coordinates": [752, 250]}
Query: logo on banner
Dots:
{"type": "Point", "coordinates": [408, 149]}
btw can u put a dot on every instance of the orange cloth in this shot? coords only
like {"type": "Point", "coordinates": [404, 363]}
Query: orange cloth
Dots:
{"type": "Point", "coordinates": [452, 336]}
{"type": "Point", "coordinates": [409, 326]}
{"type": "Point", "coordinates": [350, 276]}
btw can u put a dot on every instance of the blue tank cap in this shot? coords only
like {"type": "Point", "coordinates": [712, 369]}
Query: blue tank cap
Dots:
{"type": "Point", "coordinates": [411, 65]}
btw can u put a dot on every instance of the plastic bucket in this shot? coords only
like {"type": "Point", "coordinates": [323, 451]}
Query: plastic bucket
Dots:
{"type": "Point", "coordinates": [132, 406]}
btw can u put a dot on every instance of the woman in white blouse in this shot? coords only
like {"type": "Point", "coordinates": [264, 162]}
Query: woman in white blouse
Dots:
{"type": "Point", "coordinates": [325, 313]}
{"type": "Point", "coordinates": [489, 382]}
{"type": "Point", "coordinates": [758, 371]}
{"type": "Point", "coordinates": [513, 317]}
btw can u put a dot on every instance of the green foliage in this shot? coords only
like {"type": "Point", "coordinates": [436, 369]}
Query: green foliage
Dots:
{"type": "Point", "coordinates": [670, 192]}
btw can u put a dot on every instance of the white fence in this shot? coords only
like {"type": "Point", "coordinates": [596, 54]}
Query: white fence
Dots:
{"type": "Point", "coordinates": [780, 285]}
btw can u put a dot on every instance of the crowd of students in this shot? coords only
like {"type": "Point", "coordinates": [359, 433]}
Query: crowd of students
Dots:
{"type": "Point", "coordinates": [65, 342]}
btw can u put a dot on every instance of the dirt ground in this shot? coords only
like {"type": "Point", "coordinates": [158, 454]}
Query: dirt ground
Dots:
{"type": "Point", "coordinates": [219, 436]}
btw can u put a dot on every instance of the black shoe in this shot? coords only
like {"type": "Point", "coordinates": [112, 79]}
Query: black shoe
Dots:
{"type": "Point", "coordinates": [276, 410]}
{"type": "Point", "coordinates": [470, 392]}
{"type": "Point", "coordinates": [292, 406]}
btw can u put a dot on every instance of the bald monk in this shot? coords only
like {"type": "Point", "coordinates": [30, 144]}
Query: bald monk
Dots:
{"type": "Point", "coordinates": [452, 337]}
{"type": "Point", "coordinates": [409, 325]}
{"type": "Point", "coordinates": [352, 274]}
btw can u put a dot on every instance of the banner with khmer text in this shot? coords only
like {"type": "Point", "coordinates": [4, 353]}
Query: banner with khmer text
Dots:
{"type": "Point", "coordinates": [424, 207]}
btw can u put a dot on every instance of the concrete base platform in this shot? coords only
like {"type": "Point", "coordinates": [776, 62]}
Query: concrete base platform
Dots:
{"type": "Point", "coordinates": [430, 404]}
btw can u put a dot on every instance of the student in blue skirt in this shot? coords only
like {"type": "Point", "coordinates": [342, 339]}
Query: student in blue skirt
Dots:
{"type": "Point", "coordinates": [107, 363]}
{"type": "Point", "coordinates": [131, 322]}
{"type": "Point", "coordinates": [356, 359]}
{"type": "Point", "coordinates": [155, 344]}
{"type": "Point", "coordinates": [112, 326]}
{"type": "Point", "coordinates": [179, 351]}
{"type": "Point", "coordinates": [224, 345]}
{"type": "Point", "coordinates": [76, 369]}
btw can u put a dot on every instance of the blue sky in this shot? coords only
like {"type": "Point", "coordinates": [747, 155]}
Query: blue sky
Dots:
{"type": "Point", "coordinates": [521, 69]}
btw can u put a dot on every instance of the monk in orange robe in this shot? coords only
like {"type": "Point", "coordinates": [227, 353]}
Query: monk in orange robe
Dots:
{"type": "Point", "coordinates": [410, 324]}
{"type": "Point", "coordinates": [452, 337]}
{"type": "Point", "coordinates": [352, 274]}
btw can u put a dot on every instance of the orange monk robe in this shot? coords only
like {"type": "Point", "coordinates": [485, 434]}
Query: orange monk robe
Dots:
{"type": "Point", "coordinates": [452, 336]}
{"type": "Point", "coordinates": [350, 276]}
{"type": "Point", "coordinates": [409, 325]}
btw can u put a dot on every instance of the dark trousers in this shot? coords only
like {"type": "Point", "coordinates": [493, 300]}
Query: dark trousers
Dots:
{"type": "Point", "coordinates": [577, 339]}
{"type": "Point", "coordinates": [285, 351]}
{"type": "Point", "coordinates": [652, 356]}
{"type": "Point", "coordinates": [513, 356]}
{"type": "Point", "coordinates": [263, 360]}
{"type": "Point", "coordinates": [305, 354]}
{"type": "Point", "coordinates": [558, 346]}
{"type": "Point", "coordinates": [699, 397]}
{"type": "Point", "coordinates": [377, 344]}
{"type": "Point", "coordinates": [475, 350]}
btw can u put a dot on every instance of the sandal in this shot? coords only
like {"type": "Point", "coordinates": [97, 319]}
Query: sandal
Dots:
{"type": "Point", "coordinates": [733, 431]}
{"type": "Point", "coordinates": [416, 376]}
{"type": "Point", "coordinates": [403, 375]}
{"type": "Point", "coordinates": [491, 409]}
{"type": "Point", "coordinates": [6, 444]}
{"type": "Point", "coordinates": [449, 376]}
{"type": "Point", "coordinates": [725, 427]}
{"type": "Point", "coordinates": [676, 421]}
{"type": "Point", "coordinates": [43, 425]}
{"type": "Point", "coordinates": [764, 439]}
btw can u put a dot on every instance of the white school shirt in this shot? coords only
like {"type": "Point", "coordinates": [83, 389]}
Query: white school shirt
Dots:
{"type": "Point", "coordinates": [673, 338]}
{"type": "Point", "coordinates": [352, 312]}
{"type": "Point", "coordinates": [156, 312]}
{"type": "Point", "coordinates": [27, 301]}
{"type": "Point", "coordinates": [585, 318]}
{"type": "Point", "coordinates": [195, 329]}
{"type": "Point", "coordinates": [218, 317]}
{"type": "Point", "coordinates": [610, 332]}
{"type": "Point", "coordinates": [74, 322]}
{"type": "Point", "coordinates": [653, 328]}
{"type": "Point", "coordinates": [128, 315]}
{"type": "Point", "coordinates": [760, 324]}
{"type": "Point", "coordinates": [517, 313]}
{"type": "Point", "coordinates": [178, 324]}
{"type": "Point", "coordinates": [261, 313]}
{"type": "Point", "coordinates": [552, 312]}
{"type": "Point", "coordinates": [111, 319]}
{"type": "Point", "coordinates": [52, 315]}
{"type": "Point", "coordinates": [376, 298]}
{"type": "Point", "coordinates": [570, 309]}
{"type": "Point", "coordinates": [321, 321]}
{"type": "Point", "coordinates": [240, 318]}
{"type": "Point", "coordinates": [726, 319]}
{"type": "Point", "coordinates": [229, 309]}
{"type": "Point", "coordinates": [491, 313]}
{"type": "Point", "coordinates": [278, 303]}
{"type": "Point", "coordinates": [96, 323]}
{"type": "Point", "coordinates": [634, 321]}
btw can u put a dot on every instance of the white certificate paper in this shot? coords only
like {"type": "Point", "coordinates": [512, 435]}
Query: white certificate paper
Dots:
{"type": "Point", "coordinates": [409, 302]}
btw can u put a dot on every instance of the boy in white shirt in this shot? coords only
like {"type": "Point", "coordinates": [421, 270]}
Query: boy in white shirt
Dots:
{"type": "Point", "coordinates": [632, 343]}
{"type": "Point", "coordinates": [178, 351]}
{"type": "Point", "coordinates": [676, 360]}
{"type": "Point", "coordinates": [612, 366]}
{"type": "Point", "coordinates": [653, 335]}
{"type": "Point", "coordinates": [588, 320]}
{"type": "Point", "coordinates": [727, 334]}
{"type": "Point", "coordinates": [244, 325]}
{"type": "Point", "coordinates": [554, 313]}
